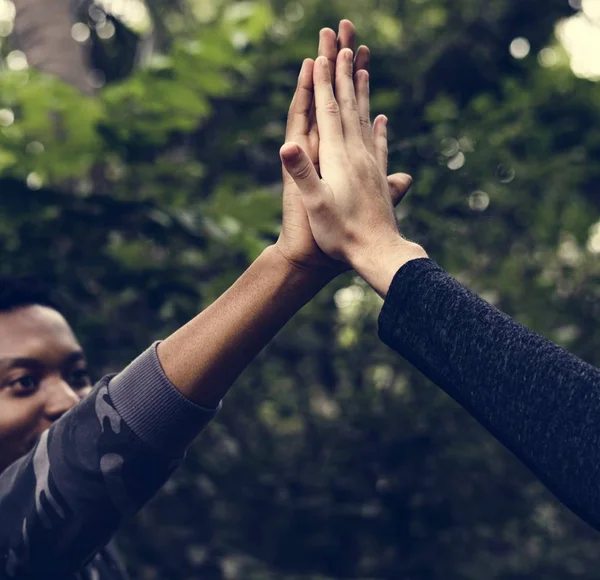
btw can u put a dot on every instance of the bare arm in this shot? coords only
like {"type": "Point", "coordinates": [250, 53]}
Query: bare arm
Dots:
{"type": "Point", "coordinates": [203, 358]}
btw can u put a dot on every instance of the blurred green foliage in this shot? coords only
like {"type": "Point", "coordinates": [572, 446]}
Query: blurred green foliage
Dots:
{"type": "Point", "coordinates": [332, 458]}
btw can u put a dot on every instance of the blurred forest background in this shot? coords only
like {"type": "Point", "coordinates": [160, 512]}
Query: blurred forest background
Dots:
{"type": "Point", "coordinates": [139, 174]}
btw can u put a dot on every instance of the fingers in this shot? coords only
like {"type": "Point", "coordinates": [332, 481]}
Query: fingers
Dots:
{"type": "Point", "coordinates": [344, 89]}
{"type": "Point", "coordinates": [363, 58]}
{"type": "Point", "coordinates": [328, 111]}
{"type": "Point", "coordinates": [399, 184]}
{"type": "Point", "coordinates": [346, 36]}
{"type": "Point", "coordinates": [328, 47]}
{"type": "Point", "coordinates": [299, 112]}
{"type": "Point", "coordinates": [361, 87]}
{"type": "Point", "coordinates": [298, 164]}
{"type": "Point", "coordinates": [380, 142]}
{"type": "Point", "coordinates": [340, 97]}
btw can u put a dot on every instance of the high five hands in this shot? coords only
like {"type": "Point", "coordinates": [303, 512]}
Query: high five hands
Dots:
{"type": "Point", "coordinates": [338, 205]}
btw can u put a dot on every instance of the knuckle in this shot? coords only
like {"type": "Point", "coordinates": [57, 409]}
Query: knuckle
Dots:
{"type": "Point", "coordinates": [301, 115]}
{"type": "Point", "coordinates": [365, 122]}
{"type": "Point", "coordinates": [360, 158]}
{"type": "Point", "coordinates": [349, 104]}
{"type": "Point", "coordinates": [303, 171]}
{"type": "Point", "coordinates": [319, 205]}
{"type": "Point", "coordinates": [331, 107]}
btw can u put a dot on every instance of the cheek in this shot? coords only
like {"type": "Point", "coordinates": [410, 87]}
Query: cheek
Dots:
{"type": "Point", "coordinates": [21, 421]}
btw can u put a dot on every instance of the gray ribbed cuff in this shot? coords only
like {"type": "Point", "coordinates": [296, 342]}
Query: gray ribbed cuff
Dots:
{"type": "Point", "coordinates": [153, 408]}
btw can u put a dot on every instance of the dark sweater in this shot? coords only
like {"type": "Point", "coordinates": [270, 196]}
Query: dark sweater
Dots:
{"type": "Point", "coordinates": [537, 399]}
{"type": "Point", "coordinates": [61, 503]}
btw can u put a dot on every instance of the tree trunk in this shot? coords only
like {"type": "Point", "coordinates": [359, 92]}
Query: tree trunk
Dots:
{"type": "Point", "coordinates": [42, 31]}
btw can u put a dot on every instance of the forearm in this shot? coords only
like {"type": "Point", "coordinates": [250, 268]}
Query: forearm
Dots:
{"type": "Point", "coordinates": [539, 400]}
{"type": "Point", "coordinates": [205, 357]}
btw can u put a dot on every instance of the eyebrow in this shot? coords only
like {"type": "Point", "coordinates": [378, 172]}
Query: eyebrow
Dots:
{"type": "Point", "coordinates": [7, 364]}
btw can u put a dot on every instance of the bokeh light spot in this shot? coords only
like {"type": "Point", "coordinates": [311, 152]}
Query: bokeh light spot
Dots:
{"type": "Point", "coordinates": [280, 31]}
{"type": "Point", "coordinates": [450, 147]}
{"type": "Point", "coordinates": [569, 252]}
{"type": "Point", "coordinates": [239, 39]}
{"type": "Point", "coordinates": [7, 117]}
{"type": "Point", "coordinates": [35, 148]}
{"type": "Point", "coordinates": [133, 13]}
{"type": "Point", "coordinates": [294, 11]}
{"type": "Point", "coordinates": [96, 13]}
{"type": "Point", "coordinates": [105, 30]}
{"type": "Point", "coordinates": [80, 32]}
{"type": "Point", "coordinates": [348, 298]}
{"type": "Point", "coordinates": [505, 173]}
{"type": "Point", "coordinates": [547, 57]}
{"type": "Point", "coordinates": [591, 9]}
{"type": "Point", "coordinates": [520, 47]}
{"type": "Point", "coordinates": [580, 36]}
{"type": "Point", "coordinates": [34, 181]}
{"type": "Point", "coordinates": [593, 244]}
{"type": "Point", "coordinates": [479, 201]}
{"type": "Point", "coordinates": [16, 60]}
{"type": "Point", "coordinates": [7, 11]}
{"type": "Point", "coordinates": [457, 161]}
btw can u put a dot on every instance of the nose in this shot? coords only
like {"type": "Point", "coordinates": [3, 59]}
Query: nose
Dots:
{"type": "Point", "coordinates": [60, 398]}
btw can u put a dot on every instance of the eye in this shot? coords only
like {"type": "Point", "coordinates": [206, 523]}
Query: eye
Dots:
{"type": "Point", "coordinates": [80, 379]}
{"type": "Point", "coordinates": [25, 385]}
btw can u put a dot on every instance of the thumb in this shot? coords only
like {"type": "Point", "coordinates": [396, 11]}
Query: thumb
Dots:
{"type": "Point", "coordinates": [399, 184]}
{"type": "Point", "coordinates": [302, 170]}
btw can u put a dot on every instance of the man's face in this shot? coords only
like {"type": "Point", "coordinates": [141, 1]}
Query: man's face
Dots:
{"type": "Point", "coordinates": [43, 374]}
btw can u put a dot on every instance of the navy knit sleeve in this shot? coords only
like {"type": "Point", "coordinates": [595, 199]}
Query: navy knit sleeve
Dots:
{"type": "Point", "coordinates": [103, 460]}
{"type": "Point", "coordinates": [540, 401]}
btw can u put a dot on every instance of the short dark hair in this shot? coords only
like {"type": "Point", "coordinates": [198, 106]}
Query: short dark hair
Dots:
{"type": "Point", "coordinates": [21, 291]}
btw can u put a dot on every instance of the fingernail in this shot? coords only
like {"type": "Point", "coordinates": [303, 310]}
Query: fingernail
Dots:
{"type": "Point", "coordinates": [385, 121]}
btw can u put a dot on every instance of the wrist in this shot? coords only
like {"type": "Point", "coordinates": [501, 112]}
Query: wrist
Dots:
{"type": "Point", "coordinates": [379, 264]}
{"type": "Point", "coordinates": [312, 279]}
{"type": "Point", "coordinates": [303, 273]}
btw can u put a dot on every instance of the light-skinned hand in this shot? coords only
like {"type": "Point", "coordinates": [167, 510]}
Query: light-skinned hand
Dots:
{"type": "Point", "coordinates": [349, 207]}
{"type": "Point", "coordinates": [296, 242]}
